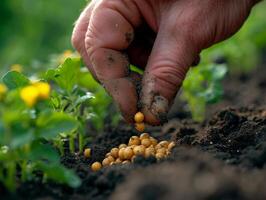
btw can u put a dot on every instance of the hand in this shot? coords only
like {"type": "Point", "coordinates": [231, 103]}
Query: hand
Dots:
{"type": "Point", "coordinates": [163, 37]}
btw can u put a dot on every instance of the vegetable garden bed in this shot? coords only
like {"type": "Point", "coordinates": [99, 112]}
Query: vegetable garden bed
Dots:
{"type": "Point", "coordinates": [221, 158]}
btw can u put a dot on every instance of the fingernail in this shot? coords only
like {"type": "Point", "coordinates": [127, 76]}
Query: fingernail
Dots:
{"type": "Point", "coordinates": [160, 107]}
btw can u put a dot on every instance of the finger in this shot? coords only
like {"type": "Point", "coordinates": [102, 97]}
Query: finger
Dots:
{"type": "Point", "coordinates": [168, 64]}
{"type": "Point", "coordinates": [78, 36]}
{"type": "Point", "coordinates": [106, 39]}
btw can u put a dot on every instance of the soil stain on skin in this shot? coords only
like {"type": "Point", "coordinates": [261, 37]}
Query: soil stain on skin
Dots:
{"type": "Point", "coordinates": [129, 36]}
{"type": "Point", "coordinates": [111, 59]}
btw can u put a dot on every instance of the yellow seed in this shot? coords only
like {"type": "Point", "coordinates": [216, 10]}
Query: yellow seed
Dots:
{"type": "Point", "coordinates": [139, 117]}
{"type": "Point", "coordinates": [44, 89]}
{"type": "Point", "coordinates": [146, 142]}
{"type": "Point", "coordinates": [171, 146]}
{"type": "Point", "coordinates": [134, 140]}
{"type": "Point", "coordinates": [114, 152]}
{"type": "Point", "coordinates": [96, 166]}
{"type": "Point", "coordinates": [149, 152]}
{"type": "Point", "coordinates": [29, 95]}
{"type": "Point", "coordinates": [118, 160]}
{"type": "Point", "coordinates": [87, 152]}
{"type": "Point", "coordinates": [144, 135]}
{"type": "Point", "coordinates": [110, 158]}
{"type": "Point", "coordinates": [153, 141]}
{"type": "Point", "coordinates": [164, 144]}
{"type": "Point", "coordinates": [121, 153]}
{"type": "Point", "coordinates": [112, 163]}
{"type": "Point", "coordinates": [158, 146]}
{"type": "Point", "coordinates": [139, 150]}
{"type": "Point", "coordinates": [122, 146]}
{"type": "Point", "coordinates": [161, 150]}
{"type": "Point", "coordinates": [106, 162]}
{"type": "Point", "coordinates": [107, 155]}
{"type": "Point", "coordinates": [128, 153]}
{"type": "Point", "coordinates": [159, 156]}
{"type": "Point", "coordinates": [125, 162]}
{"type": "Point", "coordinates": [140, 127]}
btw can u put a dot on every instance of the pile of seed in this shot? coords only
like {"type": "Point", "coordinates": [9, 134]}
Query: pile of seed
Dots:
{"type": "Point", "coordinates": [144, 145]}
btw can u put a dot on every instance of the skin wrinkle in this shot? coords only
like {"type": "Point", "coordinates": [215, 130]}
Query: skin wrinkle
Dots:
{"type": "Point", "coordinates": [182, 29]}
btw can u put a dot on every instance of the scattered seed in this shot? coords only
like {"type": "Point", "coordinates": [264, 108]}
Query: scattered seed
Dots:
{"type": "Point", "coordinates": [153, 141]}
{"type": "Point", "coordinates": [118, 160]}
{"type": "Point", "coordinates": [121, 153]}
{"type": "Point", "coordinates": [164, 144]}
{"type": "Point", "coordinates": [149, 152]}
{"type": "Point", "coordinates": [87, 152]}
{"type": "Point", "coordinates": [108, 154]}
{"type": "Point", "coordinates": [159, 156]}
{"type": "Point", "coordinates": [114, 152]}
{"type": "Point", "coordinates": [122, 146]}
{"type": "Point", "coordinates": [139, 117]}
{"type": "Point", "coordinates": [139, 150]}
{"type": "Point", "coordinates": [171, 146]}
{"type": "Point", "coordinates": [134, 140]}
{"type": "Point", "coordinates": [146, 142]}
{"type": "Point", "coordinates": [96, 166]}
{"type": "Point", "coordinates": [128, 153]}
{"type": "Point", "coordinates": [125, 162]}
{"type": "Point", "coordinates": [106, 162]}
{"type": "Point", "coordinates": [140, 127]}
{"type": "Point", "coordinates": [161, 150]}
{"type": "Point", "coordinates": [144, 135]}
{"type": "Point", "coordinates": [111, 158]}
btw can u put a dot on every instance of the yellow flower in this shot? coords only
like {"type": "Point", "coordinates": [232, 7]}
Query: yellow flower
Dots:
{"type": "Point", "coordinates": [44, 89]}
{"type": "Point", "coordinates": [3, 90]}
{"type": "Point", "coordinates": [17, 68]}
{"type": "Point", "coordinates": [29, 95]}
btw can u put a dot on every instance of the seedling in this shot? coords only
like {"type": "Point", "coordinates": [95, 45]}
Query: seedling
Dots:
{"type": "Point", "coordinates": [27, 123]}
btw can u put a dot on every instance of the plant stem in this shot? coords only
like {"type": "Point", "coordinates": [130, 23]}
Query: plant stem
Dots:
{"type": "Point", "coordinates": [81, 142]}
{"type": "Point", "coordinates": [24, 171]}
{"type": "Point", "coordinates": [61, 147]}
{"type": "Point", "coordinates": [11, 176]}
{"type": "Point", "coordinates": [72, 144]}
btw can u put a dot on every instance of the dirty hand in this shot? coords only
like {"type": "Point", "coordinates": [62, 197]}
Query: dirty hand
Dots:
{"type": "Point", "coordinates": [164, 37]}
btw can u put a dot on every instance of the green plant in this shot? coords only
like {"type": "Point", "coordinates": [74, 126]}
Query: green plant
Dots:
{"type": "Point", "coordinates": [203, 86]}
{"type": "Point", "coordinates": [25, 134]}
{"type": "Point", "coordinates": [241, 53]}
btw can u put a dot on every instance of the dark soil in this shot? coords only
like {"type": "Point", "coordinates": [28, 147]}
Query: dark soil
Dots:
{"type": "Point", "coordinates": [222, 158]}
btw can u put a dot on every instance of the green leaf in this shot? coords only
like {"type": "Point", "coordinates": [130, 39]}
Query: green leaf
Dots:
{"type": "Point", "coordinates": [60, 174]}
{"type": "Point", "coordinates": [84, 98]}
{"type": "Point", "coordinates": [51, 126]}
{"type": "Point", "coordinates": [86, 80]}
{"type": "Point", "coordinates": [41, 151]}
{"type": "Point", "coordinates": [20, 136]}
{"type": "Point", "coordinates": [14, 80]}
{"type": "Point", "coordinates": [66, 75]}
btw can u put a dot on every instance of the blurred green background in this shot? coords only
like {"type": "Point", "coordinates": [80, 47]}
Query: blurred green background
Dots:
{"type": "Point", "coordinates": [33, 29]}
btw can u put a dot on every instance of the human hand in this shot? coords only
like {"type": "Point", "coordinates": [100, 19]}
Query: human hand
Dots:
{"type": "Point", "coordinates": [163, 37]}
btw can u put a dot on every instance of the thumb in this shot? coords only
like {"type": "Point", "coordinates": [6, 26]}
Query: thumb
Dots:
{"type": "Point", "coordinates": [170, 59]}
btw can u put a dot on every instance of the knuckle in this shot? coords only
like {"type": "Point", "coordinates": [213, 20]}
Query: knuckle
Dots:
{"type": "Point", "coordinates": [170, 75]}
